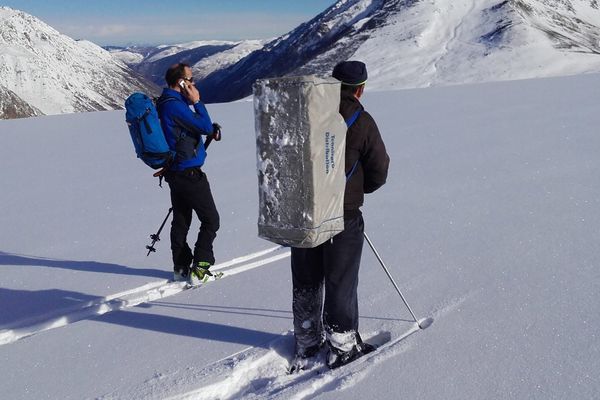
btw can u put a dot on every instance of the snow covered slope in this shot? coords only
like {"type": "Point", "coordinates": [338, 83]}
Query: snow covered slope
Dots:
{"type": "Point", "coordinates": [409, 43]}
{"type": "Point", "coordinates": [204, 56]}
{"type": "Point", "coordinates": [165, 51]}
{"type": "Point", "coordinates": [57, 74]}
{"type": "Point", "coordinates": [474, 41]}
{"type": "Point", "coordinates": [226, 58]}
{"type": "Point", "coordinates": [130, 56]}
{"type": "Point", "coordinates": [12, 106]}
{"type": "Point", "coordinates": [406, 43]}
{"type": "Point", "coordinates": [489, 223]}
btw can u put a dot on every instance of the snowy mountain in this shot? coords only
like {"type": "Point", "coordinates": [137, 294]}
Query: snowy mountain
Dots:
{"type": "Point", "coordinates": [489, 223]}
{"type": "Point", "coordinates": [406, 43]}
{"type": "Point", "coordinates": [226, 58]}
{"type": "Point", "coordinates": [12, 106]}
{"type": "Point", "coordinates": [409, 43]}
{"type": "Point", "coordinates": [205, 57]}
{"type": "Point", "coordinates": [56, 74]}
{"type": "Point", "coordinates": [130, 55]}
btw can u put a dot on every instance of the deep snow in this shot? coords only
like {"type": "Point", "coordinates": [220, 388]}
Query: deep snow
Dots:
{"type": "Point", "coordinates": [489, 222]}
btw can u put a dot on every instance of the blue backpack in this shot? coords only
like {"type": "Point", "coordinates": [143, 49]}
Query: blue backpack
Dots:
{"type": "Point", "coordinates": [146, 133]}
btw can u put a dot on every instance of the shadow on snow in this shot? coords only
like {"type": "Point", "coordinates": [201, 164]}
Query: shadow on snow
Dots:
{"type": "Point", "coordinates": [86, 266]}
{"type": "Point", "coordinates": [190, 328]}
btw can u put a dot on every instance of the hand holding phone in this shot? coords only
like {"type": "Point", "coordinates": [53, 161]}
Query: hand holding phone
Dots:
{"type": "Point", "coordinates": [190, 92]}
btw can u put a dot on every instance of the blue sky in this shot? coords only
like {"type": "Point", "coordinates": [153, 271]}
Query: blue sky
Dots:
{"type": "Point", "coordinates": [120, 22]}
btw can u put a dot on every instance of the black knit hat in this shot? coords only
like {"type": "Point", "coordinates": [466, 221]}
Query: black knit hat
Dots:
{"type": "Point", "coordinates": [350, 72]}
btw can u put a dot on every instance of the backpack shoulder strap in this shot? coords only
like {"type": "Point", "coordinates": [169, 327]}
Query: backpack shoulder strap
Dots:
{"type": "Point", "coordinates": [162, 100]}
{"type": "Point", "coordinates": [349, 122]}
{"type": "Point", "coordinates": [349, 174]}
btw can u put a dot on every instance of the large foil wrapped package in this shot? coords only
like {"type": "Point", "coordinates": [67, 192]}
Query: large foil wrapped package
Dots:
{"type": "Point", "coordinates": [300, 142]}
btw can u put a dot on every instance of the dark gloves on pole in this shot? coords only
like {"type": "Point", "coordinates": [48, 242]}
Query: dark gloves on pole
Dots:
{"type": "Point", "coordinates": [216, 131]}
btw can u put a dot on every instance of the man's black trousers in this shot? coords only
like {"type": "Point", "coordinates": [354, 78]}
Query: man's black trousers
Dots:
{"type": "Point", "coordinates": [330, 269]}
{"type": "Point", "coordinates": [190, 192]}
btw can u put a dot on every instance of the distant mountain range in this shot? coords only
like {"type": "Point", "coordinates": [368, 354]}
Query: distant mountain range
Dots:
{"type": "Point", "coordinates": [405, 43]}
{"type": "Point", "coordinates": [205, 57]}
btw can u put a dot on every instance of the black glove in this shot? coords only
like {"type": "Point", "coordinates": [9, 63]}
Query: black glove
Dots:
{"type": "Point", "coordinates": [216, 132]}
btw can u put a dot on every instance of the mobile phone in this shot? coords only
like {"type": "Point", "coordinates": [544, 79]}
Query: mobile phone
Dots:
{"type": "Point", "coordinates": [182, 84]}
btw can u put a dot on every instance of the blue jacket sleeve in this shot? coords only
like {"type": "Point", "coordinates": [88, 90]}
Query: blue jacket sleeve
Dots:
{"type": "Point", "coordinates": [195, 123]}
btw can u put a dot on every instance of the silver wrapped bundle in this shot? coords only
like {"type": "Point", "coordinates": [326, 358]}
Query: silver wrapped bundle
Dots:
{"type": "Point", "coordinates": [300, 141]}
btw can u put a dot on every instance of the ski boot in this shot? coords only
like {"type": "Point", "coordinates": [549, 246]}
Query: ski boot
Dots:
{"type": "Point", "coordinates": [200, 273]}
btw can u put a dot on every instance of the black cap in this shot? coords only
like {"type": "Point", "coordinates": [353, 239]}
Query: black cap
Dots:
{"type": "Point", "coordinates": [350, 72]}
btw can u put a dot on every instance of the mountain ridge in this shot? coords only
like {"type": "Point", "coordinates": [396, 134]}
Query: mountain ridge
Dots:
{"type": "Point", "coordinates": [57, 74]}
{"type": "Point", "coordinates": [12, 106]}
{"type": "Point", "coordinates": [405, 43]}
{"type": "Point", "coordinates": [410, 43]}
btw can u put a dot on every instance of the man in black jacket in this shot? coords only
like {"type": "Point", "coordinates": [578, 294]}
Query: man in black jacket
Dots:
{"type": "Point", "coordinates": [331, 269]}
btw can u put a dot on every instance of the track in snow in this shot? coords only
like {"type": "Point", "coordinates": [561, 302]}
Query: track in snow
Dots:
{"type": "Point", "coordinates": [256, 373]}
{"type": "Point", "coordinates": [130, 298]}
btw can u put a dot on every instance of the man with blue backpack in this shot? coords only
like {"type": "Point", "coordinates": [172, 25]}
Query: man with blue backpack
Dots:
{"type": "Point", "coordinates": [325, 278]}
{"type": "Point", "coordinates": [184, 131]}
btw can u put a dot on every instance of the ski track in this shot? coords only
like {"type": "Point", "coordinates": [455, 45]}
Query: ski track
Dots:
{"type": "Point", "coordinates": [246, 368]}
{"type": "Point", "coordinates": [454, 33]}
{"type": "Point", "coordinates": [130, 298]}
{"type": "Point", "coordinates": [257, 374]}
{"type": "Point", "coordinates": [450, 305]}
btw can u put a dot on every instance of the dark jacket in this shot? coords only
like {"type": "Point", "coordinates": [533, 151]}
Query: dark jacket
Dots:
{"type": "Point", "coordinates": [365, 145]}
{"type": "Point", "coordinates": [184, 128]}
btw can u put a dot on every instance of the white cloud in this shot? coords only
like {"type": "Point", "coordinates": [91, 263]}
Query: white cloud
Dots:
{"type": "Point", "coordinates": [161, 31]}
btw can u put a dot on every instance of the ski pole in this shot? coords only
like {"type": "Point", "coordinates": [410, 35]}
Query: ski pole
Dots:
{"type": "Point", "coordinates": [424, 323]}
{"type": "Point", "coordinates": [156, 236]}
{"type": "Point", "coordinates": [207, 142]}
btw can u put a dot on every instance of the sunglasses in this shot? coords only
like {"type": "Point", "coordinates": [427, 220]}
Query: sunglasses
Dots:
{"type": "Point", "coordinates": [190, 79]}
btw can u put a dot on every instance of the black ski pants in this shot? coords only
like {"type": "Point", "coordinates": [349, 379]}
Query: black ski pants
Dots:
{"type": "Point", "coordinates": [190, 192]}
{"type": "Point", "coordinates": [329, 270]}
